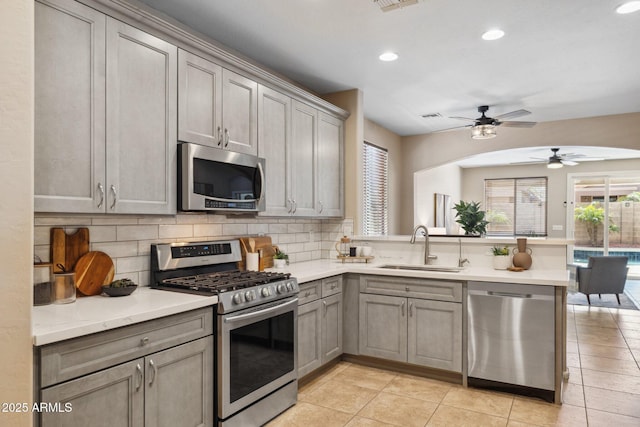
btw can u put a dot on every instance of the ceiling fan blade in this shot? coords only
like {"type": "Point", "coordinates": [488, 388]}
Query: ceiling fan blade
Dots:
{"type": "Point", "coordinates": [463, 118]}
{"type": "Point", "coordinates": [592, 159]}
{"type": "Point", "coordinates": [531, 162]}
{"type": "Point", "coordinates": [512, 124]}
{"type": "Point", "coordinates": [453, 128]}
{"type": "Point", "coordinates": [512, 115]}
{"type": "Point", "coordinates": [568, 162]}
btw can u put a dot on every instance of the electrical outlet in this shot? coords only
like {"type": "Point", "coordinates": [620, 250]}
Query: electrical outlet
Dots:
{"type": "Point", "coordinates": [557, 227]}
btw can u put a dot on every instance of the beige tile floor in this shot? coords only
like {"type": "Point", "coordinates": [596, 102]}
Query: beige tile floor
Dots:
{"type": "Point", "coordinates": [603, 388]}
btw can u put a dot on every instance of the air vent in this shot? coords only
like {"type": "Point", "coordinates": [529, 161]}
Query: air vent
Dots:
{"type": "Point", "coordinates": [431, 116]}
{"type": "Point", "coordinates": [389, 5]}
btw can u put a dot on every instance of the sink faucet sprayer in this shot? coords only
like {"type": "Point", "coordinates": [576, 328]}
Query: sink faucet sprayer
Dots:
{"type": "Point", "coordinates": [461, 261]}
{"type": "Point", "coordinates": [427, 255]}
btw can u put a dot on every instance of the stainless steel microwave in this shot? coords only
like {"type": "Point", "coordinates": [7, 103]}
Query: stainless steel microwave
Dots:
{"type": "Point", "coordinates": [219, 180]}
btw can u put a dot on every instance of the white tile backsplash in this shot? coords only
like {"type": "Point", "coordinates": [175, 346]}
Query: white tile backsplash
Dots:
{"type": "Point", "coordinates": [127, 238]}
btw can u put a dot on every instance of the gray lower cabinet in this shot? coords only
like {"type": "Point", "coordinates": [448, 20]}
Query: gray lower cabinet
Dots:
{"type": "Point", "coordinates": [169, 387]}
{"type": "Point", "coordinates": [105, 114]}
{"type": "Point", "coordinates": [419, 331]}
{"type": "Point", "coordinates": [319, 323]}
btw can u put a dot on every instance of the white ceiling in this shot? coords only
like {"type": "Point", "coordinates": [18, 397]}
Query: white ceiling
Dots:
{"type": "Point", "coordinates": [559, 59]}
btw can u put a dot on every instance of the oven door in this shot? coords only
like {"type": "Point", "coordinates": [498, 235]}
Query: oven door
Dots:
{"type": "Point", "coordinates": [257, 353]}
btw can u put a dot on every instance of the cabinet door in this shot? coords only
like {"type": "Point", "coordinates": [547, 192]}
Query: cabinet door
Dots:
{"type": "Point", "coordinates": [304, 136]}
{"type": "Point", "coordinates": [179, 385]}
{"type": "Point", "coordinates": [383, 327]}
{"type": "Point", "coordinates": [331, 327]}
{"type": "Point", "coordinates": [239, 113]}
{"type": "Point", "coordinates": [435, 334]}
{"type": "Point", "coordinates": [69, 118]}
{"type": "Point", "coordinates": [141, 118]}
{"type": "Point", "coordinates": [309, 337]}
{"type": "Point", "coordinates": [330, 166]}
{"type": "Point", "coordinates": [199, 100]}
{"type": "Point", "coordinates": [274, 138]}
{"type": "Point", "coordinates": [113, 397]}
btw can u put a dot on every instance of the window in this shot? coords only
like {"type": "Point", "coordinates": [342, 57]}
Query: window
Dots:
{"type": "Point", "coordinates": [516, 206]}
{"type": "Point", "coordinates": [376, 190]}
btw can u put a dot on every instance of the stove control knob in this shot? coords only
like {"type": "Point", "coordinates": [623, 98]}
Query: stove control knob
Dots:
{"type": "Point", "coordinates": [238, 299]}
{"type": "Point", "coordinates": [290, 286]}
{"type": "Point", "coordinates": [249, 296]}
{"type": "Point", "coordinates": [282, 288]}
{"type": "Point", "coordinates": [266, 292]}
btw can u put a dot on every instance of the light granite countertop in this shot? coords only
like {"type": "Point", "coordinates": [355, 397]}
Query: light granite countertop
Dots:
{"type": "Point", "coordinates": [58, 322]}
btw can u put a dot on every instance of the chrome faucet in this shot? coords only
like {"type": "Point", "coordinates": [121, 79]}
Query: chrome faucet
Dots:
{"type": "Point", "coordinates": [427, 255]}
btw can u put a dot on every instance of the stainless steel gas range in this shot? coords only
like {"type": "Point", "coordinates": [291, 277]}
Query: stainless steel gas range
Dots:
{"type": "Point", "coordinates": [256, 326]}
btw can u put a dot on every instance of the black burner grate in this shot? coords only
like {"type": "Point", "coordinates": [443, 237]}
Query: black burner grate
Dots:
{"type": "Point", "coordinates": [219, 282]}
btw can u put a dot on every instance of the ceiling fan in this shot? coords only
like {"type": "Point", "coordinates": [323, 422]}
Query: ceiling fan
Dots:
{"type": "Point", "coordinates": [557, 160]}
{"type": "Point", "coordinates": [485, 127]}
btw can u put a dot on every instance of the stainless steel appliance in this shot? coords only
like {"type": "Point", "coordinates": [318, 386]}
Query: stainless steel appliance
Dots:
{"type": "Point", "coordinates": [511, 338]}
{"type": "Point", "coordinates": [220, 180]}
{"type": "Point", "coordinates": [256, 326]}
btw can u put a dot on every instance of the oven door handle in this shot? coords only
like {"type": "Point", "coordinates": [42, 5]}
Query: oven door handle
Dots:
{"type": "Point", "coordinates": [279, 307]}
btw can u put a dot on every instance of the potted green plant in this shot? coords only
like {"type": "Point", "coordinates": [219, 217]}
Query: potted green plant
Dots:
{"type": "Point", "coordinates": [471, 218]}
{"type": "Point", "coordinates": [501, 257]}
{"type": "Point", "coordinates": [280, 259]}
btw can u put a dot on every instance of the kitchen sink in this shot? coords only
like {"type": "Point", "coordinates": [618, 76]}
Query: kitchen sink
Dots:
{"type": "Point", "coordinates": [447, 268]}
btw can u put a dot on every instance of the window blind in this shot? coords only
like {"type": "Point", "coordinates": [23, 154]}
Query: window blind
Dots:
{"type": "Point", "coordinates": [516, 206]}
{"type": "Point", "coordinates": [376, 190]}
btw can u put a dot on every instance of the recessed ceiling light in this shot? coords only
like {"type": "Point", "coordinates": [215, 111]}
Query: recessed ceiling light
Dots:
{"type": "Point", "coordinates": [628, 7]}
{"type": "Point", "coordinates": [493, 34]}
{"type": "Point", "coordinates": [388, 56]}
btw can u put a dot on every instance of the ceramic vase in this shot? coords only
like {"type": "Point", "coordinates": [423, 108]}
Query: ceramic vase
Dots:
{"type": "Point", "coordinates": [501, 262]}
{"type": "Point", "coordinates": [279, 263]}
{"type": "Point", "coordinates": [522, 255]}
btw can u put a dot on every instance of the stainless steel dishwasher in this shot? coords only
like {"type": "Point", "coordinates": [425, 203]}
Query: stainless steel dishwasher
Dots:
{"type": "Point", "coordinates": [511, 342]}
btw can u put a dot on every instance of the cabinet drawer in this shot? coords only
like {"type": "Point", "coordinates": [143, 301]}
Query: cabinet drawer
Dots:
{"type": "Point", "coordinates": [331, 286]}
{"type": "Point", "coordinates": [441, 290]}
{"type": "Point", "coordinates": [309, 291]}
{"type": "Point", "coordinates": [79, 356]}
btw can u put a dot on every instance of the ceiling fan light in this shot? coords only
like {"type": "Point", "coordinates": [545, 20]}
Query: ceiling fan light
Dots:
{"type": "Point", "coordinates": [554, 164]}
{"type": "Point", "coordinates": [483, 132]}
{"type": "Point", "coordinates": [628, 7]}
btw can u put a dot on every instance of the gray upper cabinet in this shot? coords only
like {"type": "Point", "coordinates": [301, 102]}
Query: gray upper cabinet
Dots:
{"type": "Point", "coordinates": [105, 115]}
{"type": "Point", "coordinates": [69, 107]}
{"type": "Point", "coordinates": [330, 166]}
{"type": "Point", "coordinates": [274, 134]}
{"type": "Point", "coordinates": [141, 121]}
{"type": "Point", "coordinates": [199, 100]}
{"type": "Point", "coordinates": [216, 107]}
{"type": "Point", "coordinates": [239, 113]}
{"type": "Point", "coordinates": [303, 159]}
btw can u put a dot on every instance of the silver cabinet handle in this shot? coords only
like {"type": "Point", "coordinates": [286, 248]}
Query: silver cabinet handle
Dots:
{"type": "Point", "coordinates": [139, 374]}
{"type": "Point", "coordinates": [219, 136]}
{"type": "Point", "coordinates": [115, 196]}
{"type": "Point", "coordinates": [324, 303]}
{"type": "Point", "coordinates": [154, 371]}
{"type": "Point", "coordinates": [402, 308]}
{"type": "Point", "coordinates": [407, 289]}
{"type": "Point", "coordinates": [321, 206]}
{"type": "Point", "coordinates": [226, 137]}
{"type": "Point", "coordinates": [410, 309]}
{"type": "Point", "coordinates": [295, 206]}
{"type": "Point", "coordinates": [144, 341]}
{"type": "Point", "coordinates": [306, 294]}
{"type": "Point", "coordinates": [101, 189]}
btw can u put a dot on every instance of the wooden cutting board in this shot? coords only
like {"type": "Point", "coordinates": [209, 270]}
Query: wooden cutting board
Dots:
{"type": "Point", "coordinates": [93, 270]}
{"type": "Point", "coordinates": [66, 249]}
{"type": "Point", "coordinates": [262, 243]}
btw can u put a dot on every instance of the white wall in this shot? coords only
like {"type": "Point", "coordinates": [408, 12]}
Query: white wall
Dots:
{"type": "Point", "coordinates": [16, 206]}
{"type": "Point", "coordinates": [445, 179]}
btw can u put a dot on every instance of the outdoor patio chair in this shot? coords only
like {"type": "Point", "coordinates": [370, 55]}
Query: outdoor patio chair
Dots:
{"type": "Point", "coordinates": [603, 275]}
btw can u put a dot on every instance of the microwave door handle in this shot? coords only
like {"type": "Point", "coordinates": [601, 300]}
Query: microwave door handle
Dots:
{"type": "Point", "coordinates": [261, 171]}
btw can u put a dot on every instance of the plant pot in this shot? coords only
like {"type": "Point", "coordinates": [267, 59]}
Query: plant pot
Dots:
{"type": "Point", "coordinates": [279, 263]}
{"type": "Point", "coordinates": [501, 262]}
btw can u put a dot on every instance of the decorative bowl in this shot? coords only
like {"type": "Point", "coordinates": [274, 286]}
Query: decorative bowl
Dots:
{"type": "Point", "coordinates": [119, 288]}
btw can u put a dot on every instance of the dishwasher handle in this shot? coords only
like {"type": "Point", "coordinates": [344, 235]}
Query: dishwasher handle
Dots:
{"type": "Point", "coordinates": [502, 294]}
